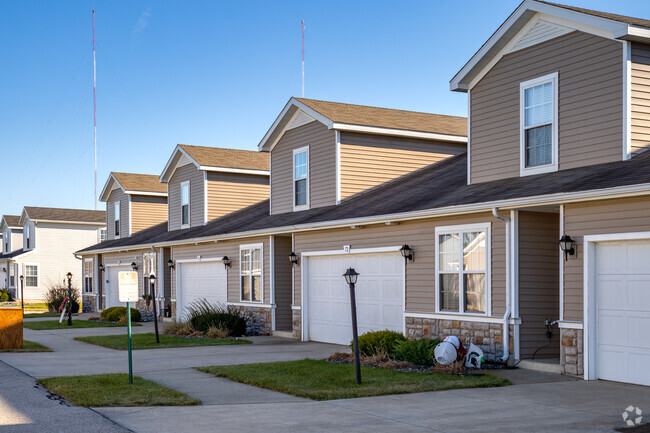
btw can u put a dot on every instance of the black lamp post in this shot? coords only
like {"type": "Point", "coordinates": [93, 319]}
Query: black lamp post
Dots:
{"type": "Point", "coordinates": [69, 275]}
{"type": "Point", "coordinates": [22, 293]}
{"type": "Point", "coordinates": [351, 278]}
{"type": "Point", "coordinates": [568, 246]}
{"type": "Point", "coordinates": [152, 281]}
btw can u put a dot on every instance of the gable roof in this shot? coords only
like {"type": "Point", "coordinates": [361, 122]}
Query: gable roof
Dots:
{"type": "Point", "coordinates": [76, 216]}
{"type": "Point", "coordinates": [217, 159]}
{"type": "Point", "coordinates": [436, 190]}
{"type": "Point", "coordinates": [603, 24]}
{"type": "Point", "coordinates": [11, 220]}
{"type": "Point", "coordinates": [133, 183]}
{"type": "Point", "coordinates": [374, 120]}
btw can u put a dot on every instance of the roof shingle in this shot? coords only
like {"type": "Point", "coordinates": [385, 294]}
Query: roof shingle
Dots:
{"type": "Point", "coordinates": [12, 220]}
{"type": "Point", "coordinates": [66, 215]}
{"type": "Point", "coordinates": [227, 158]}
{"type": "Point", "coordinates": [140, 182]}
{"type": "Point", "coordinates": [614, 17]}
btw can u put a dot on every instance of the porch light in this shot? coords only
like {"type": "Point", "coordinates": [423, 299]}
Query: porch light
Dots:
{"type": "Point", "coordinates": [69, 275]}
{"type": "Point", "coordinates": [568, 246]}
{"type": "Point", "coordinates": [170, 264]}
{"type": "Point", "coordinates": [351, 276]}
{"type": "Point", "coordinates": [134, 266]}
{"type": "Point", "coordinates": [101, 267]}
{"type": "Point", "coordinates": [293, 258]}
{"type": "Point", "coordinates": [407, 252]}
{"type": "Point", "coordinates": [226, 261]}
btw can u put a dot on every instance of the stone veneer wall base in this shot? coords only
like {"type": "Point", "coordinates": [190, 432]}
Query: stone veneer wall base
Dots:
{"type": "Point", "coordinates": [571, 351]}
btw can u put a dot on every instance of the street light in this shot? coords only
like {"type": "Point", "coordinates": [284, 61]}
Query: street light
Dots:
{"type": "Point", "coordinates": [22, 293]}
{"type": "Point", "coordinates": [69, 275]}
{"type": "Point", "coordinates": [351, 278]}
{"type": "Point", "coordinates": [152, 281]}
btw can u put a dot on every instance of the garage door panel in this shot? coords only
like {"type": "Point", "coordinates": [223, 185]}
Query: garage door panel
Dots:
{"type": "Point", "coordinates": [638, 367]}
{"type": "Point", "coordinates": [203, 280]}
{"type": "Point", "coordinates": [639, 332]}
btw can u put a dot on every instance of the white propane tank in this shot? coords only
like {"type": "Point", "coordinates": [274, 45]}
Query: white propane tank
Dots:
{"type": "Point", "coordinates": [447, 351]}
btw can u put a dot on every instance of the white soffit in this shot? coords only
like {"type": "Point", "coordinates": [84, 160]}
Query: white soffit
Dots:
{"type": "Point", "coordinates": [300, 119]}
{"type": "Point", "coordinates": [541, 31]}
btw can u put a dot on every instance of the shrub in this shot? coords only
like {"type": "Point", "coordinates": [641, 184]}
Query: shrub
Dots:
{"type": "Point", "coordinates": [114, 314]}
{"type": "Point", "coordinates": [214, 332]}
{"type": "Point", "coordinates": [55, 295]}
{"type": "Point", "coordinates": [4, 295]}
{"type": "Point", "coordinates": [172, 328]}
{"type": "Point", "coordinates": [378, 342]}
{"type": "Point", "coordinates": [201, 315]}
{"type": "Point", "coordinates": [418, 352]}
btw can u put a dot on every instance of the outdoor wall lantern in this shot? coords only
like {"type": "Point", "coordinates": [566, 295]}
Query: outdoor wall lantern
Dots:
{"type": "Point", "coordinates": [293, 258]}
{"type": "Point", "coordinates": [101, 267]}
{"type": "Point", "coordinates": [170, 263]}
{"type": "Point", "coordinates": [134, 266]}
{"type": "Point", "coordinates": [568, 246]}
{"type": "Point", "coordinates": [407, 252]}
{"type": "Point", "coordinates": [226, 262]}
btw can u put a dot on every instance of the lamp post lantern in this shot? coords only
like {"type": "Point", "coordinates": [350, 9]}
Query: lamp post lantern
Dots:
{"type": "Point", "coordinates": [69, 275]}
{"type": "Point", "coordinates": [152, 281]}
{"type": "Point", "coordinates": [22, 293]}
{"type": "Point", "coordinates": [351, 278]}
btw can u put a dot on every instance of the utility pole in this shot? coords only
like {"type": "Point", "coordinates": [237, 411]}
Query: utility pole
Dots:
{"type": "Point", "coordinates": [95, 108]}
{"type": "Point", "coordinates": [302, 29]}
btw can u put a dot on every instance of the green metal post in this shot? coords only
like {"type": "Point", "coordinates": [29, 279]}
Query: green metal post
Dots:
{"type": "Point", "coordinates": [128, 327]}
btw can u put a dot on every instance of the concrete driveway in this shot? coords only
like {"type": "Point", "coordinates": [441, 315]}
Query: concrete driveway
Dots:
{"type": "Point", "coordinates": [536, 401]}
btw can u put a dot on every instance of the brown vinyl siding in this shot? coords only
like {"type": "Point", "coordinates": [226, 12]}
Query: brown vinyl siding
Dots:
{"type": "Point", "coordinates": [282, 287]}
{"type": "Point", "coordinates": [117, 195]}
{"type": "Point", "coordinates": [230, 249]}
{"type": "Point", "coordinates": [539, 290]}
{"type": "Point", "coordinates": [596, 218]}
{"type": "Point", "coordinates": [590, 107]}
{"type": "Point", "coordinates": [640, 121]}
{"type": "Point", "coordinates": [228, 192]}
{"type": "Point", "coordinates": [370, 160]}
{"type": "Point", "coordinates": [195, 176]}
{"type": "Point", "coordinates": [322, 167]}
{"type": "Point", "coordinates": [419, 235]}
{"type": "Point", "coordinates": [147, 211]}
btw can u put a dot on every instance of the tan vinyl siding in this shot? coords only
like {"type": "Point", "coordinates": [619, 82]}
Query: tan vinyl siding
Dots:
{"type": "Point", "coordinates": [419, 235]}
{"type": "Point", "coordinates": [322, 167]}
{"type": "Point", "coordinates": [147, 211]}
{"type": "Point", "coordinates": [117, 195]}
{"type": "Point", "coordinates": [589, 109]}
{"type": "Point", "coordinates": [539, 290]}
{"type": "Point", "coordinates": [282, 287]}
{"type": "Point", "coordinates": [125, 259]}
{"type": "Point", "coordinates": [640, 121]}
{"type": "Point", "coordinates": [370, 160]}
{"type": "Point", "coordinates": [195, 176]}
{"type": "Point", "coordinates": [596, 218]}
{"type": "Point", "coordinates": [230, 249]}
{"type": "Point", "coordinates": [228, 192]}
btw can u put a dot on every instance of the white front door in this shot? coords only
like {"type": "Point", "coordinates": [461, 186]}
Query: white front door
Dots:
{"type": "Point", "coordinates": [623, 311]}
{"type": "Point", "coordinates": [201, 280]}
{"type": "Point", "coordinates": [379, 295]}
{"type": "Point", "coordinates": [112, 286]}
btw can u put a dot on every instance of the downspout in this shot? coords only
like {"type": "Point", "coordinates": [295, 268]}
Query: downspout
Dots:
{"type": "Point", "coordinates": [508, 313]}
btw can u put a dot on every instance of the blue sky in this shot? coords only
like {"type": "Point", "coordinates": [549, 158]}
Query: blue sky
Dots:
{"type": "Point", "coordinates": [210, 73]}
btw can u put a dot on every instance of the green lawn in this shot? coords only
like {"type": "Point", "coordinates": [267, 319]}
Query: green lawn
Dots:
{"type": "Point", "coordinates": [148, 341]}
{"type": "Point", "coordinates": [32, 315]}
{"type": "Point", "coordinates": [103, 390]}
{"type": "Point", "coordinates": [39, 306]}
{"type": "Point", "coordinates": [322, 380]}
{"type": "Point", "coordinates": [29, 346]}
{"type": "Point", "coordinates": [76, 323]}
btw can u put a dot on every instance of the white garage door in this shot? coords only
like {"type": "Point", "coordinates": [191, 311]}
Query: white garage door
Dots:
{"type": "Point", "coordinates": [112, 286]}
{"type": "Point", "coordinates": [623, 311]}
{"type": "Point", "coordinates": [204, 280]}
{"type": "Point", "coordinates": [379, 295]}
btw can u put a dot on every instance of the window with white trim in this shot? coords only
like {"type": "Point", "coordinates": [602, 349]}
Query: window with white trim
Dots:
{"type": "Point", "coordinates": [538, 101]}
{"type": "Point", "coordinates": [148, 268]}
{"type": "Point", "coordinates": [462, 269]}
{"type": "Point", "coordinates": [185, 204]}
{"type": "Point", "coordinates": [250, 273]}
{"type": "Point", "coordinates": [27, 237]}
{"type": "Point", "coordinates": [116, 217]}
{"type": "Point", "coordinates": [301, 178]}
{"type": "Point", "coordinates": [88, 275]}
{"type": "Point", "coordinates": [102, 235]}
{"type": "Point", "coordinates": [31, 275]}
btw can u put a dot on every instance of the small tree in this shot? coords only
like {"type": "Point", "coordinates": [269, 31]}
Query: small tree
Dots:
{"type": "Point", "coordinates": [56, 293]}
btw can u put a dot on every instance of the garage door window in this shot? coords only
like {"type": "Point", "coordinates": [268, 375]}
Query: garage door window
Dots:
{"type": "Point", "coordinates": [462, 266]}
{"type": "Point", "coordinates": [251, 273]}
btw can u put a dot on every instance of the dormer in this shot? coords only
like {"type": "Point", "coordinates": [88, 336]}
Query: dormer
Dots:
{"type": "Point", "coordinates": [12, 233]}
{"type": "Point", "coordinates": [556, 87]}
{"type": "Point", "coordinates": [205, 183]}
{"type": "Point", "coordinates": [134, 202]}
{"type": "Point", "coordinates": [323, 153]}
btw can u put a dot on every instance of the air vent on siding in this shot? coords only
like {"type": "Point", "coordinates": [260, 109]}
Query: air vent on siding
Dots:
{"type": "Point", "coordinates": [301, 119]}
{"type": "Point", "coordinates": [540, 32]}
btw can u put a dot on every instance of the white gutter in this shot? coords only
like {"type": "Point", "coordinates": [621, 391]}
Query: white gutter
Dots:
{"type": "Point", "coordinates": [506, 316]}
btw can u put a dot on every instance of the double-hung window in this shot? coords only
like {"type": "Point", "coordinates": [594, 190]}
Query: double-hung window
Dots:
{"type": "Point", "coordinates": [88, 275]}
{"type": "Point", "coordinates": [31, 275]}
{"type": "Point", "coordinates": [27, 237]}
{"type": "Point", "coordinates": [538, 118]}
{"type": "Point", "coordinates": [148, 268]}
{"type": "Point", "coordinates": [185, 204]}
{"type": "Point", "coordinates": [116, 213]}
{"type": "Point", "coordinates": [250, 272]}
{"type": "Point", "coordinates": [102, 235]}
{"type": "Point", "coordinates": [301, 178]}
{"type": "Point", "coordinates": [462, 269]}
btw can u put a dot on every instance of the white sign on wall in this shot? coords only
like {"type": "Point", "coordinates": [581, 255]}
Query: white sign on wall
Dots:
{"type": "Point", "coordinates": [128, 286]}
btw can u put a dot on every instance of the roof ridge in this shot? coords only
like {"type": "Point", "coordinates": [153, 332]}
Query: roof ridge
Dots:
{"type": "Point", "coordinates": [593, 12]}
{"type": "Point", "coordinates": [220, 148]}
